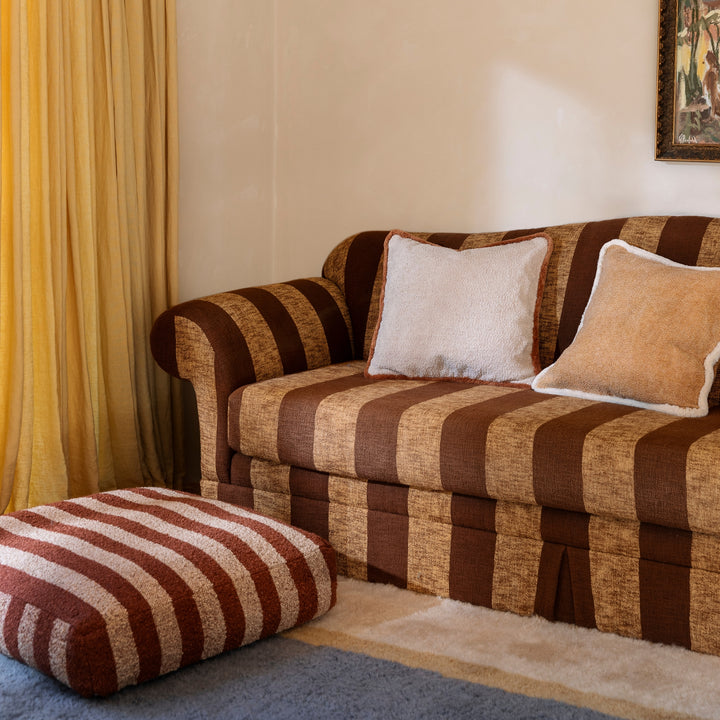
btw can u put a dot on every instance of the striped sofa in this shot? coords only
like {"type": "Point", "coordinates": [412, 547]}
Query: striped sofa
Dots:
{"type": "Point", "coordinates": [598, 514]}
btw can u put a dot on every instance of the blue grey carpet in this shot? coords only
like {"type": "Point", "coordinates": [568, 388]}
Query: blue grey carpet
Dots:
{"type": "Point", "coordinates": [279, 679]}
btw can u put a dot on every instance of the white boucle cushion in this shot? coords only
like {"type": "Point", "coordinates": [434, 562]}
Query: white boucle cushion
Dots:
{"type": "Point", "coordinates": [467, 315]}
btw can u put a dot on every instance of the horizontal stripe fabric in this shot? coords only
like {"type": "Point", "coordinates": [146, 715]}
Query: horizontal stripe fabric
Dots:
{"type": "Point", "coordinates": [113, 589]}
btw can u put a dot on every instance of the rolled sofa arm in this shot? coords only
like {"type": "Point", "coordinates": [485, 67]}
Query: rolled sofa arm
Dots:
{"type": "Point", "coordinates": [224, 341]}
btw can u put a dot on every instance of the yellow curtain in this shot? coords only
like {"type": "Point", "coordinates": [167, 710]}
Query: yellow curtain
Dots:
{"type": "Point", "coordinates": [88, 239]}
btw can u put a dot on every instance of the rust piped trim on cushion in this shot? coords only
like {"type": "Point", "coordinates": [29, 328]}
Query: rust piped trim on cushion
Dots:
{"type": "Point", "coordinates": [376, 373]}
{"type": "Point", "coordinates": [355, 266]}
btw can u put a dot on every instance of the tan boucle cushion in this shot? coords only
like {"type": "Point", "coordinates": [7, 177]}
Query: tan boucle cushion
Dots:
{"type": "Point", "coordinates": [116, 588]}
{"type": "Point", "coordinates": [649, 337]}
{"type": "Point", "coordinates": [460, 314]}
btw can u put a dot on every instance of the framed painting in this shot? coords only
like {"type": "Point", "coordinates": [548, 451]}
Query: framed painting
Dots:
{"type": "Point", "coordinates": [688, 106]}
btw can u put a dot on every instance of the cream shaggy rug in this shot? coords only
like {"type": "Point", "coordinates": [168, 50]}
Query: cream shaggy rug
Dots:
{"type": "Point", "coordinates": [628, 678]}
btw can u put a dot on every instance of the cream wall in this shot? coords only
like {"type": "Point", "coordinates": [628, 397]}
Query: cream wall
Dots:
{"type": "Point", "coordinates": [226, 108]}
{"type": "Point", "coordinates": [303, 121]}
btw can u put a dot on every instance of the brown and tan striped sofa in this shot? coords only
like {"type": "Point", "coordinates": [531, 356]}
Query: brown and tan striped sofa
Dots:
{"type": "Point", "coordinates": [603, 515]}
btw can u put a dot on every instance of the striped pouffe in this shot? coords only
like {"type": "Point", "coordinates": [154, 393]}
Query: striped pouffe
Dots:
{"type": "Point", "coordinates": [116, 588]}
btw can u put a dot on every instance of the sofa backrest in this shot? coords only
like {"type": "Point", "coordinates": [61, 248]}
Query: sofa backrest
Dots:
{"type": "Point", "coordinates": [355, 265]}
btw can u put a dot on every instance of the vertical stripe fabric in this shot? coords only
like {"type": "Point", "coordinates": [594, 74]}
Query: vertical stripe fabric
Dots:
{"type": "Point", "coordinates": [116, 588]}
{"type": "Point", "coordinates": [607, 516]}
{"type": "Point", "coordinates": [355, 264]}
{"type": "Point", "coordinates": [635, 579]}
{"type": "Point", "coordinates": [502, 443]}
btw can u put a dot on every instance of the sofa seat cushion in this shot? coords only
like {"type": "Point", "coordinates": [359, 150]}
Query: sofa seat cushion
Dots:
{"type": "Point", "coordinates": [489, 441]}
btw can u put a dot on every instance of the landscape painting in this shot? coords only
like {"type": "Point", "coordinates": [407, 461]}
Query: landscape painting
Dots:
{"type": "Point", "coordinates": [689, 80]}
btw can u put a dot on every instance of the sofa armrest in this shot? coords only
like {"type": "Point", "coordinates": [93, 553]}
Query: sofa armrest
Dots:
{"type": "Point", "coordinates": [224, 341]}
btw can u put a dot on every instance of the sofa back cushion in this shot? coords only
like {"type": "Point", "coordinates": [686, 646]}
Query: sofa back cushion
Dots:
{"type": "Point", "coordinates": [355, 265]}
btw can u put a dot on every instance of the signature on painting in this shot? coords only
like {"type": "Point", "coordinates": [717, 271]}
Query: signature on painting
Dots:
{"type": "Point", "coordinates": [697, 108]}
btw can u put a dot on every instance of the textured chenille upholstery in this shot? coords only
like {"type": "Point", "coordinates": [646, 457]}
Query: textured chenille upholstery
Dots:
{"type": "Point", "coordinates": [116, 588]}
{"type": "Point", "coordinates": [604, 515]}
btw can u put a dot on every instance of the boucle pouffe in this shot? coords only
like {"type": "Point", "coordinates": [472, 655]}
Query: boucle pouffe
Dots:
{"type": "Point", "coordinates": [117, 588]}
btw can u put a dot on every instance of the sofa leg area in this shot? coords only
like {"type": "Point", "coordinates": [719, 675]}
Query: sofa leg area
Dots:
{"type": "Point", "coordinates": [564, 591]}
{"type": "Point", "coordinates": [613, 592]}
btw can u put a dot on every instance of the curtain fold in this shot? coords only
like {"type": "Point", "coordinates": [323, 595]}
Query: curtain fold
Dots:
{"type": "Point", "coordinates": [88, 246]}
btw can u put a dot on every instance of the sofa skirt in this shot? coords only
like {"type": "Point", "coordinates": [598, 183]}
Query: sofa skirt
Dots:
{"type": "Point", "coordinates": [629, 578]}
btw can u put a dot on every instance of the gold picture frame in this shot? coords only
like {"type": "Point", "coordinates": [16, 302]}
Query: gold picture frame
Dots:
{"type": "Point", "coordinates": [688, 83]}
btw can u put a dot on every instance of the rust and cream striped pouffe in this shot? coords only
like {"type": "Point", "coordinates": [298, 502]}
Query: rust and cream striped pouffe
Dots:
{"type": "Point", "coordinates": [116, 588]}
